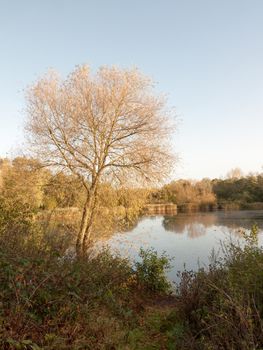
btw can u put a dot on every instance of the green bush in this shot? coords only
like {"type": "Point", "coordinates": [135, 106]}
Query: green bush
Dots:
{"type": "Point", "coordinates": [151, 270]}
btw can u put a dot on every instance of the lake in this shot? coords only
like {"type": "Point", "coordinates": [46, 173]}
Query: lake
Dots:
{"type": "Point", "coordinates": [188, 238]}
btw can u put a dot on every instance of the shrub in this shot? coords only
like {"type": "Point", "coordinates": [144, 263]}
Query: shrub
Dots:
{"type": "Point", "coordinates": [222, 308]}
{"type": "Point", "coordinates": [151, 270]}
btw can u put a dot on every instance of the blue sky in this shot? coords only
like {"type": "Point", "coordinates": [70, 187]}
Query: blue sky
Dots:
{"type": "Point", "coordinates": [207, 55]}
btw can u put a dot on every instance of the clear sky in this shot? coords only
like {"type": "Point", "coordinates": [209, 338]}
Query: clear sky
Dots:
{"type": "Point", "coordinates": [207, 55]}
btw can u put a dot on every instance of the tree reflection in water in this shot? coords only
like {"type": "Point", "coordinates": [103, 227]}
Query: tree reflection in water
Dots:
{"type": "Point", "coordinates": [195, 225]}
{"type": "Point", "coordinates": [188, 238]}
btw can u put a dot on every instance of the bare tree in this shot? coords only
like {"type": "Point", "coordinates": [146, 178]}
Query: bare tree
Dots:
{"type": "Point", "coordinates": [107, 126]}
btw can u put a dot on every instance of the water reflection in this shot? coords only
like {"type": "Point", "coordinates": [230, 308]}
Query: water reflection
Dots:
{"type": "Point", "coordinates": [189, 238]}
{"type": "Point", "coordinates": [196, 224]}
{"type": "Point", "coordinates": [192, 227]}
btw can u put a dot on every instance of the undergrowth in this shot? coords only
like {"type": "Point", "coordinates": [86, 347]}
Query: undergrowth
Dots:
{"type": "Point", "coordinates": [222, 308]}
{"type": "Point", "coordinates": [51, 300]}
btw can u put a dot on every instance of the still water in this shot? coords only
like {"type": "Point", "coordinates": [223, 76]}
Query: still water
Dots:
{"type": "Point", "coordinates": [188, 238]}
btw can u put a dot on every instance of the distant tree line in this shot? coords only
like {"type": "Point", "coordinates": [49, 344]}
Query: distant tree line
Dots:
{"type": "Point", "coordinates": [234, 192]}
{"type": "Point", "coordinates": [28, 182]}
{"type": "Point", "coordinates": [244, 191]}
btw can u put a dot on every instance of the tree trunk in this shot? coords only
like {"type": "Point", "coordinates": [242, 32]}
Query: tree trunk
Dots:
{"type": "Point", "coordinates": [83, 226]}
{"type": "Point", "coordinates": [86, 222]}
{"type": "Point", "coordinates": [87, 234]}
